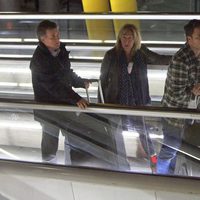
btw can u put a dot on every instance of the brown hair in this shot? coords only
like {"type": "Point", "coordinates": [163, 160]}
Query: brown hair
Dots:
{"type": "Point", "coordinates": [44, 26]}
{"type": "Point", "coordinates": [190, 26]}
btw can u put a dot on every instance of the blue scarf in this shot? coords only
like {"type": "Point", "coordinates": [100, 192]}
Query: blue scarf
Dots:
{"type": "Point", "coordinates": [126, 96]}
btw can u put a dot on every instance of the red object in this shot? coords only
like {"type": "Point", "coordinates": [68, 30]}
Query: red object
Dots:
{"type": "Point", "coordinates": [154, 159]}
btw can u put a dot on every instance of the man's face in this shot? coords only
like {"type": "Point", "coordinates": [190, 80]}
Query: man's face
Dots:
{"type": "Point", "coordinates": [194, 40]}
{"type": "Point", "coordinates": [51, 39]}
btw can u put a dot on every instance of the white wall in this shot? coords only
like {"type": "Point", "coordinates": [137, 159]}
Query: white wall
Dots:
{"type": "Point", "coordinates": [22, 182]}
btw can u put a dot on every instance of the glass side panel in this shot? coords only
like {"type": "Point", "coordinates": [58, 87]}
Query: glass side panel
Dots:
{"type": "Point", "coordinates": [168, 5]}
{"type": "Point", "coordinates": [101, 31]}
{"type": "Point", "coordinates": [15, 79]}
{"type": "Point", "coordinates": [87, 41]}
{"type": "Point", "coordinates": [128, 143]}
{"type": "Point", "coordinates": [77, 6]}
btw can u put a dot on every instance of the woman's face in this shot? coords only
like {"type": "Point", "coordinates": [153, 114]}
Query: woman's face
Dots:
{"type": "Point", "coordinates": [127, 41]}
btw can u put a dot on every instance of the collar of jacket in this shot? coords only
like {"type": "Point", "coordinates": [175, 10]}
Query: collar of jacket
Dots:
{"type": "Point", "coordinates": [44, 47]}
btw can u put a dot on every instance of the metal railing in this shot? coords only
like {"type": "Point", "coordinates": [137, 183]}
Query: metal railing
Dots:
{"type": "Point", "coordinates": [114, 109]}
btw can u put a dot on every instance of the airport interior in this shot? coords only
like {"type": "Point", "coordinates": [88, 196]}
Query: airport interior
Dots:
{"type": "Point", "coordinates": [98, 157]}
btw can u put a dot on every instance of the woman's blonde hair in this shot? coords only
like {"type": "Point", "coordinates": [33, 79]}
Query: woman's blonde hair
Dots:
{"type": "Point", "coordinates": [136, 36]}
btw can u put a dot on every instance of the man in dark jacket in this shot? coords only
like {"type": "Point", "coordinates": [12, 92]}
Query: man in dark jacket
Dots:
{"type": "Point", "coordinates": [52, 81]}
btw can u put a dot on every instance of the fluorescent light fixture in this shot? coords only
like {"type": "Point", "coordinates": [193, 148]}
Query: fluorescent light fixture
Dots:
{"type": "Point", "coordinates": [30, 40]}
{"type": "Point", "coordinates": [163, 42]}
{"type": "Point", "coordinates": [135, 16]}
{"type": "Point", "coordinates": [87, 57]}
{"type": "Point", "coordinates": [14, 84]}
{"type": "Point", "coordinates": [10, 46]}
{"type": "Point", "coordinates": [85, 41]}
{"type": "Point", "coordinates": [15, 70]}
{"type": "Point", "coordinates": [81, 41]}
{"type": "Point", "coordinates": [10, 39]}
{"type": "Point", "coordinates": [15, 56]}
{"type": "Point", "coordinates": [9, 84]}
{"type": "Point", "coordinates": [164, 49]}
{"type": "Point", "coordinates": [19, 92]}
{"type": "Point", "coordinates": [29, 56]}
{"type": "Point", "coordinates": [66, 40]}
{"type": "Point", "coordinates": [26, 85]}
{"type": "Point", "coordinates": [91, 48]}
{"type": "Point", "coordinates": [110, 41]}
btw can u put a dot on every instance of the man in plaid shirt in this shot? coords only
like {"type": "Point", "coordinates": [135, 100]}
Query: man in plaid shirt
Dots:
{"type": "Point", "coordinates": [182, 87]}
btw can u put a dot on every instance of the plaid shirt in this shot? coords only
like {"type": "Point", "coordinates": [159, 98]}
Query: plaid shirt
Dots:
{"type": "Point", "coordinates": [183, 73]}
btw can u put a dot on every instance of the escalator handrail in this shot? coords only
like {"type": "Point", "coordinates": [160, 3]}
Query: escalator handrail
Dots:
{"type": "Point", "coordinates": [148, 111]}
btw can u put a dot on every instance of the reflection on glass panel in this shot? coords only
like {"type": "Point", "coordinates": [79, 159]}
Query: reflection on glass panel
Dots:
{"type": "Point", "coordinates": [100, 30]}
{"type": "Point", "coordinates": [85, 40]}
{"type": "Point", "coordinates": [167, 5]}
{"type": "Point", "coordinates": [163, 31]}
{"type": "Point", "coordinates": [122, 142]}
{"type": "Point", "coordinates": [119, 142]}
{"type": "Point", "coordinates": [77, 6]}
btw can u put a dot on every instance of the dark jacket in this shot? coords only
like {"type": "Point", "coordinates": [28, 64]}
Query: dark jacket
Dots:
{"type": "Point", "coordinates": [154, 58]}
{"type": "Point", "coordinates": [110, 77]}
{"type": "Point", "coordinates": [52, 77]}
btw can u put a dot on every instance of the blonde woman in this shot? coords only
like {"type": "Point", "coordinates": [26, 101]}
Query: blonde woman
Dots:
{"type": "Point", "coordinates": [124, 70]}
{"type": "Point", "coordinates": [125, 82]}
